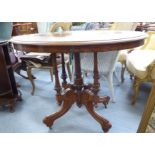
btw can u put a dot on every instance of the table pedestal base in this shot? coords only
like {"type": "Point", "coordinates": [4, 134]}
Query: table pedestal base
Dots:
{"type": "Point", "coordinates": [84, 97]}
{"type": "Point", "coordinates": [78, 93]}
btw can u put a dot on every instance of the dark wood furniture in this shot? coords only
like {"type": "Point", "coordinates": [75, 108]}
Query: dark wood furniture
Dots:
{"type": "Point", "coordinates": [21, 28]}
{"type": "Point", "coordinates": [77, 42]}
{"type": "Point", "coordinates": [8, 90]}
{"type": "Point", "coordinates": [146, 26]}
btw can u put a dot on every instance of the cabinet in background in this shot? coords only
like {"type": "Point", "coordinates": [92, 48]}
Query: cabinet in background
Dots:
{"type": "Point", "coordinates": [9, 94]}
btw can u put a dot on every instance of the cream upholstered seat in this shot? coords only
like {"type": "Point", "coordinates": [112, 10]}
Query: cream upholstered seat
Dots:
{"type": "Point", "coordinates": [141, 64]}
{"type": "Point", "coordinates": [139, 67]}
{"type": "Point", "coordinates": [124, 53]}
{"type": "Point", "coordinates": [106, 60]}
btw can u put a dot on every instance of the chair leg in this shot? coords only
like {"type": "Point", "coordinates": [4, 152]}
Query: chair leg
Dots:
{"type": "Point", "coordinates": [122, 71]}
{"type": "Point", "coordinates": [110, 85]}
{"type": "Point", "coordinates": [116, 77]}
{"type": "Point", "coordinates": [51, 73]}
{"type": "Point", "coordinates": [136, 90]}
{"type": "Point", "coordinates": [17, 69]}
{"type": "Point", "coordinates": [69, 70]}
{"type": "Point", "coordinates": [29, 74]}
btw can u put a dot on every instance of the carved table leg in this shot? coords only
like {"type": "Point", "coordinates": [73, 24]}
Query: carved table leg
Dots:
{"type": "Point", "coordinates": [88, 99]}
{"type": "Point", "coordinates": [57, 82]}
{"type": "Point", "coordinates": [96, 77]}
{"type": "Point", "coordinates": [68, 99]}
{"type": "Point", "coordinates": [63, 75]}
{"type": "Point", "coordinates": [78, 82]}
{"type": "Point", "coordinates": [96, 85]}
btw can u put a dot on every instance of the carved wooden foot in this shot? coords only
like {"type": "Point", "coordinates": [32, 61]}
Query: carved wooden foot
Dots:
{"type": "Point", "coordinates": [88, 99]}
{"type": "Point", "coordinates": [68, 99]}
{"type": "Point", "coordinates": [104, 100]}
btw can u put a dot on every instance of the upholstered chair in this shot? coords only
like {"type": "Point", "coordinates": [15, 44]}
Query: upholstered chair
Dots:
{"type": "Point", "coordinates": [106, 60]}
{"type": "Point", "coordinates": [65, 26]}
{"type": "Point", "coordinates": [21, 28]}
{"type": "Point", "coordinates": [123, 53]}
{"type": "Point", "coordinates": [141, 64]}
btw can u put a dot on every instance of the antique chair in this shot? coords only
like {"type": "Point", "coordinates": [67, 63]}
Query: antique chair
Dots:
{"type": "Point", "coordinates": [44, 60]}
{"type": "Point", "coordinates": [58, 26]}
{"type": "Point", "coordinates": [20, 28]}
{"type": "Point", "coordinates": [141, 64]}
{"type": "Point", "coordinates": [106, 61]}
{"type": "Point", "coordinates": [122, 54]}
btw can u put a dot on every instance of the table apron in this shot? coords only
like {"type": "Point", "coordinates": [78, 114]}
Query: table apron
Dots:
{"type": "Point", "coordinates": [78, 48]}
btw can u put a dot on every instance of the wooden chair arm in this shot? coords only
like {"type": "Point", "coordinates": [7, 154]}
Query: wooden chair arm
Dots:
{"type": "Point", "coordinates": [149, 69]}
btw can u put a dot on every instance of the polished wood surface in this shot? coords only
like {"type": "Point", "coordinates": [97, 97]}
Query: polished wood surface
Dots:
{"type": "Point", "coordinates": [76, 42]}
{"type": "Point", "coordinates": [75, 38]}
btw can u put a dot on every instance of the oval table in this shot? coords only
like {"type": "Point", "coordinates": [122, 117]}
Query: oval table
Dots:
{"type": "Point", "coordinates": [77, 42]}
